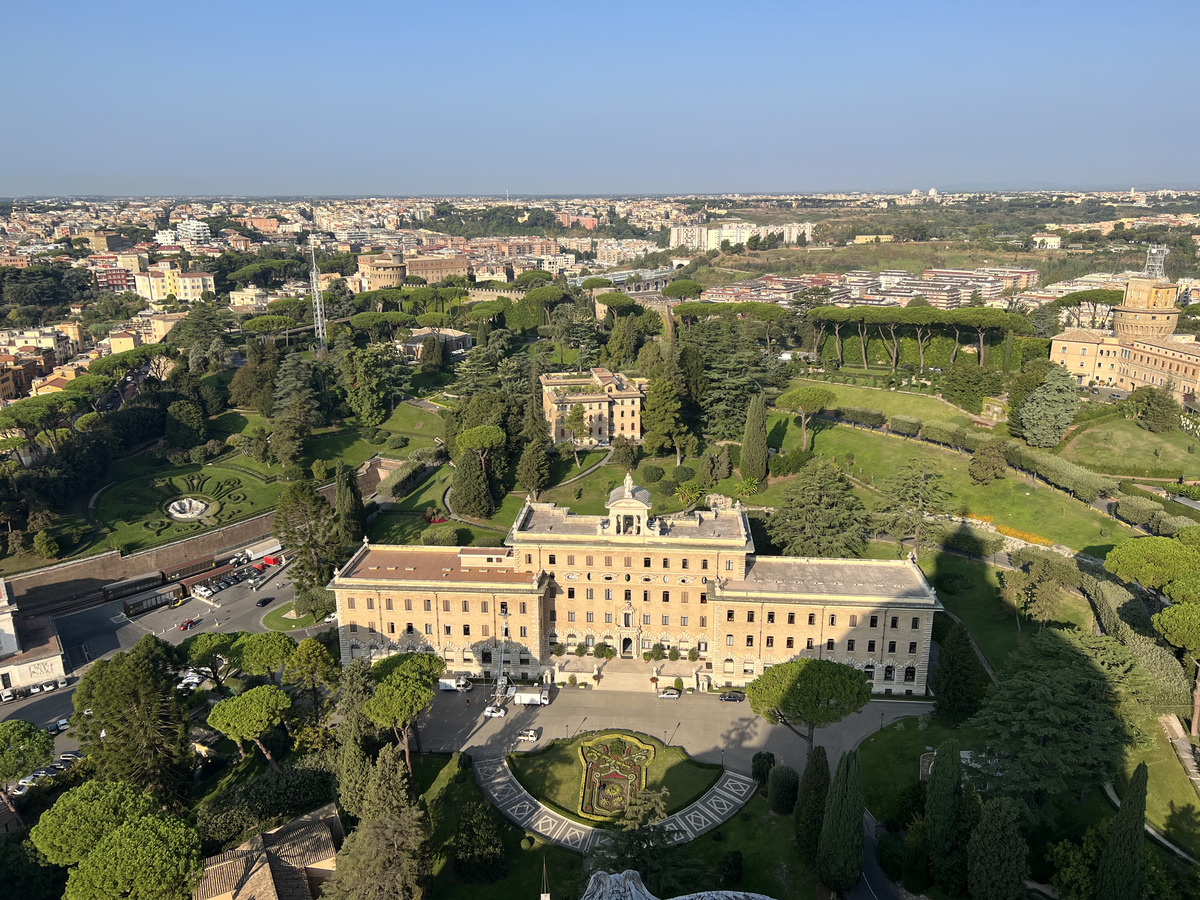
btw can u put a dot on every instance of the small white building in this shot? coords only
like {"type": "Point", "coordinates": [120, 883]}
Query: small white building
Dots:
{"type": "Point", "coordinates": [30, 650]}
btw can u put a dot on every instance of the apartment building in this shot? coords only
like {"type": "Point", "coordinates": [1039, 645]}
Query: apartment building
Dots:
{"type": "Point", "coordinates": [165, 279]}
{"type": "Point", "coordinates": [631, 580]}
{"type": "Point", "coordinates": [42, 342]}
{"type": "Point", "coordinates": [435, 268]}
{"type": "Point", "coordinates": [381, 271]}
{"type": "Point", "coordinates": [612, 405]}
{"type": "Point", "coordinates": [709, 237]}
{"type": "Point", "coordinates": [193, 231]}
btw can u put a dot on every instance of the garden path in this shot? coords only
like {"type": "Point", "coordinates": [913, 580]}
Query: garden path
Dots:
{"type": "Point", "coordinates": [723, 800]}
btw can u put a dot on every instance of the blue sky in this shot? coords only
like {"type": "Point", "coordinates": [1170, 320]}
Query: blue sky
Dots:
{"type": "Point", "coordinates": [401, 98]}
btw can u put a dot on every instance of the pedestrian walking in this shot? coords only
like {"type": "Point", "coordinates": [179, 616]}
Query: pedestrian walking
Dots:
{"type": "Point", "coordinates": [468, 701]}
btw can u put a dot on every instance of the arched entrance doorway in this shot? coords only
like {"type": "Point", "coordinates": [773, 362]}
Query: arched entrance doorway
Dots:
{"type": "Point", "coordinates": [627, 647]}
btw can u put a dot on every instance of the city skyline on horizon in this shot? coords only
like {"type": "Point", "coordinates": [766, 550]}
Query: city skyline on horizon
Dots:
{"type": "Point", "coordinates": [543, 101]}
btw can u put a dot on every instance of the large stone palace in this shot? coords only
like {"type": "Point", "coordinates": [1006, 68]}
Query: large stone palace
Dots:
{"type": "Point", "coordinates": [612, 405]}
{"type": "Point", "coordinates": [630, 580]}
{"type": "Point", "coordinates": [1142, 348]}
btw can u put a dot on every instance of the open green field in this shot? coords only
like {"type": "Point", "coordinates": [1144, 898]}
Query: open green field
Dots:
{"type": "Point", "coordinates": [277, 619]}
{"type": "Point", "coordinates": [236, 421]}
{"type": "Point", "coordinates": [446, 784]}
{"type": "Point", "coordinates": [554, 774]}
{"type": "Point", "coordinates": [1013, 501]}
{"type": "Point", "coordinates": [893, 403]}
{"type": "Point", "coordinates": [1121, 446]}
{"type": "Point", "coordinates": [412, 420]}
{"type": "Point", "coordinates": [133, 511]}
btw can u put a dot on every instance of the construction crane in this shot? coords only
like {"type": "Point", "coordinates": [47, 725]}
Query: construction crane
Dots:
{"type": "Point", "coordinates": [318, 301]}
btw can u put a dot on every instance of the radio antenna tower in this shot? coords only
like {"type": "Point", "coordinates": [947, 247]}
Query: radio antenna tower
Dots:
{"type": "Point", "coordinates": [1156, 256]}
{"type": "Point", "coordinates": [318, 301]}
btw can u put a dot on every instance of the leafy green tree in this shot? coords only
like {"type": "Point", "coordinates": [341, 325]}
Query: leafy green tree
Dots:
{"type": "Point", "coordinates": [959, 682]}
{"type": "Point", "coordinates": [350, 516]}
{"type": "Point", "coordinates": [1049, 725]}
{"type": "Point", "coordinates": [472, 496]}
{"type": "Point", "coordinates": [809, 814]}
{"type": "Point", "coordinates": [533, 470]}
{"type": "Point", "coordinates": [806, 402]}
{"type": "Point", "coordinates": [761, 765]}
{"type": "Point", "coordinates": [433, 355]}
{"type": "Point", "coordinates": [263, 653]}
{"type": "Point", "coordinates": [806, 694]}
{"type": "Point", "coordinates": [312, 670]}
{"type": "Point", "coordinates": [135, 706]}
{"type": "Point", "coordinates": [80, 818]}
{"type": "Point", "coordinates": [148, 857]}
{"type": "Point", "coordinates": [753, 461]}
{"type": "Point", "coordinates": [1155, 409]}
{"type": "Point", "coordinates": [819, 515]}
{"type": "Point", "coordinates": [916, 491]}
{"type": "Point", "coordinates": [23, 748]}
{"type": "Point", "coordinates": [479, 854]}
{"type": "Point", "coordinates": [683, 289]}
{"type": "Point", "coordinates": [27, 873]}
{"type": "Point", "coordinates": [576, 426]}
{"type": "Point", "coordinates": [997, 853]}
{"type": "Point", "coordinates": [398, 700]}
{"type": "Point", "coordinates": [943, 815]}
{"type": "Point", "coordinates": [662, 425]}
{"type": "Point", "coordinates": [355, 688]}
{"type": "Point", "coordinates": [988, 463]}
{"type": "Point", "coordinates": [1119, 876]}
{"type": "Point", "coordinates": [185, 425]}
{"type": "Point", "coordinates": [1050, 409]}
{"type": "Point", "coordinates": [1179, 624]}
{"type": "Point", "coordinates": [782, 786]}
{"type": "Point", "coordinates": [250, 715]}
{"type": "Point", "coordinates": [294, 387]}
{"type": "Point", "coordinates": [306, 525]}
{"type": "Point", "coordinates": [840, 850]}
{"type": "Point", "coordinates": [44, 545]}
{"type": "Point", "coordinates": [209, 653]}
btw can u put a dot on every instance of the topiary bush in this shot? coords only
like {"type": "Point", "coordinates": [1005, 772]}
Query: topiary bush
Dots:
{"type": "Point", "coordinates": [761, 765]}
{"type": "Point", "coordinates": [651, 474]}
{"type": "Point", "coordinates": [678, 684]}
{"type": "Point", "coordinates": [683, 474]}
{"type": "Point", "coordinates": [693, 655]}
{"type": "Point", "coordinates": [397, 442]}
{"type": "Point", "coordinates": [666, 487]}
{"type": "Point", "coordinates": [478, 848]}
{"type": "Point", "coordinates": [782, 786]}
{"type": "Point", "coordinates": [370, 435]}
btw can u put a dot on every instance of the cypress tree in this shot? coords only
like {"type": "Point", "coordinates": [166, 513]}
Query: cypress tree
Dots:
{"type": "Point", "coordinates": [533, 471]}
{"type": "Point", "coordinates": [941, 810]}
{"type": "Point", "coordinates": [348, 506]}
{"type": "Point", "coordinates": [471, 494]}
{"type": "Point", "coordinates": [840, 850]}
{"type": "Point", "coordinates": [781, 789]}
{"type": "Point", "coordinates": [959, 683]}
{"type": "Point", "coordinates": [810, 804]}
{"type": "Point", "coordinates": [754, 440]}
{"type": "Point", "coordinates": [1119, 876]}
{"type": "Point", "coordinates": [996, 853]}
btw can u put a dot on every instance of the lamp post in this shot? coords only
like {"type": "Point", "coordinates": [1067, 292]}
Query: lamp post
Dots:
{"type": "Point", "coordinates": [881, 721]}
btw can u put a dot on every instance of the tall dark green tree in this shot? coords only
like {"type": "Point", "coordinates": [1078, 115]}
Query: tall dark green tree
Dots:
{"type": "Point", "coordinates": [1050, 409]}
{"type": "Point", "coordinates": [533, 469]}
{"type": "Point", "coordinates": [916, 491]}
{"type": "Point", "coordinates": [959, 682]}
{"type": "Point", "coordinates": [840, 849]}
{"type": "Point", "coordinates": [306, 525]}
{"type": "Point", "coordinates": [471, 494]}
{"type": "Point", "coordinates": [997, 853]}
{"type": "Point", "coordinates": [185, 425]}
{"type": "Point", "coordinates": [819, 515]}
{"type": "Point", "coordinates": [1119, 876]}
{"type": "Point", "coordinates": [663, 426]}
{"type": "Point", "coordinates": [943, 800]}
{"type": "Point", "coordinates": [349, 514]}
{"type": "Point", "coordinates": [809, 814]}
{"type": "Point", "coordinates": [294, 386]}
{"type": "Point", "coordinates": [753, 462]}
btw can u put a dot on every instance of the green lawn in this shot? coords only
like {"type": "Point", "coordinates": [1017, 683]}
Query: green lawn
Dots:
{"type": "Point", "coordinates": [276, 622]}
{"type": "Point", "coordinates": [236, 421]}
{"type": "Point", "coordinates": [446, 784]}
{"type": "Point", "coordinates": [396, 528]}
{"type": "Point", "coordinates": [1013, 501]}
{"type": "Point", "coordinates": [132, 511]}
{"type": "Point", "coordinates": [770, 863]}
{"type": "Point", "coordinates": [428, 492]}
{"type": "Point", "coordinates": [562, 465]}
{"type": "Point", "coordinates": [412, 420]}
{"type": "Point", "coordinates": [554, 774]}
{"type": "Point", "coordinates": [1123, 446]}
{"type": "Point", "coordinates": [893, 403]}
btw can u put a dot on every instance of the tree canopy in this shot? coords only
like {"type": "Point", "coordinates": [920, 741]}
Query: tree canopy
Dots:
{"type": "Point", "coordinates": [806, 694]}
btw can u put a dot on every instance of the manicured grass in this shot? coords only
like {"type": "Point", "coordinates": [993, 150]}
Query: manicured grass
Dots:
{"type": "Point", "coordinates": [133, 510]}
{"type": "Point", "coordinates": [237, 421]}
{"type": "Point", "coordinates": [410, 420]}
{"type": "Point", "coordinates": [429, 492]}
{"type": "Point", "coordinates": [891, 759]}
{"type": "Point", "coordinates": [276, 622]}
{"type": "Point", "coordinates": [396, 528]}
{"type": "Point", "coordinates": [554, 774]}
{"type": "Point", "coordinates": [1172, 805]}
{"type": "Point", "coordinates": [893, 403]}
{"type": "Point", "coordinates": [770, 863]}
{"type": "Point", "coordinates": [562, 464]}
{"type": "Point", "coordinates": [344, 445]}
{"type": "Point", "coordinates": [228, 778]}
{"type": "Point", "coordinates": [446, 784]}
{"type": "Point", "coordinates": [588, 495]}
{"type": "Point", "coordinates": [1014, 501]}
{"type": "Point", "coordinates": [1123, 446]}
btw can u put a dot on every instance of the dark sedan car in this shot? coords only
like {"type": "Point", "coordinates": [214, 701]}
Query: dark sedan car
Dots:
{"type": "Point", "coordinates": [732, 696]}
{"type": "Point", "coordinates": [263, 601]}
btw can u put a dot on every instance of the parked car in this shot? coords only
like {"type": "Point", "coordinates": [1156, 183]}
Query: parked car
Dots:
{"type": "Point", "coordinates": [263, 601]}
{"type": "Point", "coordinates": [52, 728]}
{"type": "Point", "coordinates": [332, 617]}
{"type": "Point", "coordinates": [70, 756]}
{"type": "Point", "coordinates": [45, 772]}
{"type": "Point", "coordinates": [733, 696]}
{"type": "Point", "coordinates": [1115, 397]}
{"type": "Point", "coordinates": [19, 791]}
{"type": "Point", "coordinates": [529, 734]}
{"type": "Point", "coordinates": [35, 689]}
{"type": "Point", "coordinates": [63, 724]}
{"type": "Point", "coordinates": [7, 695]}
{"type": "Point", "coordinates": [62, 682]}
{"type": "Point", "coordinates": [668, 694]}
{"type": "Point", "coordinates": [187, 624]}
{"type": "Point", "coordinates": [48, 686]}
{"type": "Point", "coordinates": [495, 712]}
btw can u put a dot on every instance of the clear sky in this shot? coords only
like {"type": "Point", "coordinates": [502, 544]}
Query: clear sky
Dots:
{"type": "Point", "coordinates": [601, 97]}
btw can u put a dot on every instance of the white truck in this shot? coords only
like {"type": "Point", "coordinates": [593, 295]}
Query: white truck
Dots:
{"type": "Point", "coordinates": [532, 697]}
{"type": "Point", "coordinates": [454, 683]}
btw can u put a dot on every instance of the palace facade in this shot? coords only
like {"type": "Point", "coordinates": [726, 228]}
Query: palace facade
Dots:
{"type": "Point", "coordinates": [630, 580]}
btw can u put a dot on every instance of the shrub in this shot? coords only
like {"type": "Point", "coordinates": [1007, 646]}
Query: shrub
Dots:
{"type": "Point", "coordinates": [571, 679]}
{"type": "Point", "coordinates": [294, 472]}
{"type": "Point", "coordinates": [527, 842]}
{"type": "Point", "coordinates": [440, 536]}
{"type": "Point", "coordinates": [557, 649]}
{"type": "Point", "coordinates": [268, 799]}
{"type": "Point", "coordinates": [379, 437]}
{"type": "Point", "coordinates": [693, 655]}
{"type": "Point", "coordinates": [370, 435]}
{"type": "Point", "coordinates": [908, 426]}
{"type": "Point", "coordinates": [857, 415]}
{"type": "Point", "coordinates": [729, 869]}
{"type": "Point", "coordinates": [657, 652]}
{"type": "Point", "coordinates": [678, 684]}
{"type": "Point", "coordinates": [397, 442]}
{"type": "Point", "coordinates": [782, 786]}
{"type": "Point", "coordinates": [666, 487]}
{"type": "Point", "coordinates": [683, 474]}
{"type": "Point", "coordinates": [761, 765]}
{"type": "Point", "coordinates": [972, 541]}
{"type": "Point", "coordinates": [478, 849]}
{"type": "Point", "coordinates": [1076, 480]}
{"type": "Point", "coordinates": [580, 650]}
{"type": "Point", "coordinates": [1138, 510]}
{"type": "Point", "coordinates": [953, 582]}
{"type": "Point", "coordinates": [431, 455]}
{"type": "Point", "coordinates": [401, 479]}
{"type": "Point", "coordinates": [735, 454]}
{"type": "Point", "coordinates": [673, 654]}
{"type": "Point", "coordinates": [651, 474]}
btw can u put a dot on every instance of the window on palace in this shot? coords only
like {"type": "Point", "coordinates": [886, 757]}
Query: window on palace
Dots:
{"type": "Point", "coordinates": [850, 646]}
{"type": "Point", "coordinates": [770, 618]}
{"type": "Point", "coordinates": [912, 647]}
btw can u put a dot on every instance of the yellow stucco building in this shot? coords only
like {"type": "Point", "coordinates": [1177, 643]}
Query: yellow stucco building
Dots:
{"type": "Point", "coordinates": [630, 580]}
